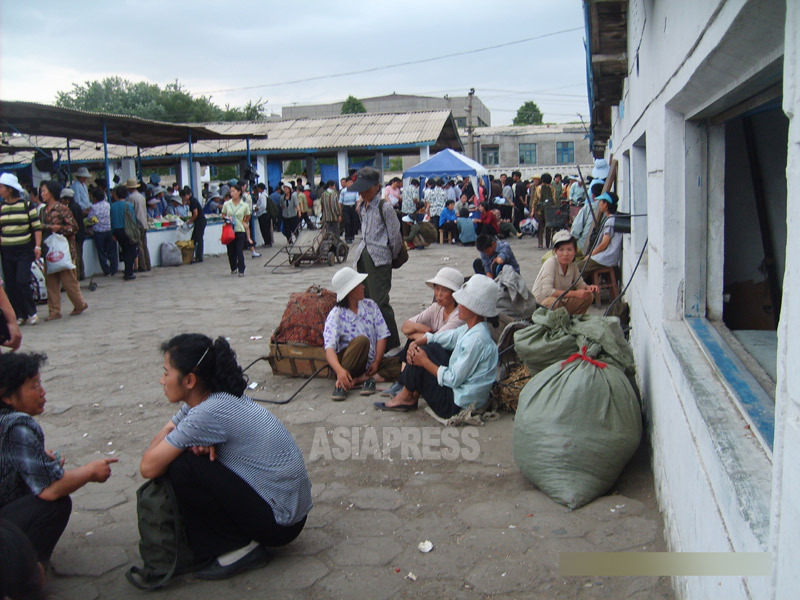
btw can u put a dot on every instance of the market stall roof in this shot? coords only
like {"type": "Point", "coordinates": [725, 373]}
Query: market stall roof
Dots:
{"type": "Point", "coordinates": [41, 119]}
{"type": "Point", "coordinates": [447, 163]}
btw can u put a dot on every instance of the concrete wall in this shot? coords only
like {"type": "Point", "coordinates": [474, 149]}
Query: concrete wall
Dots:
{"type": "Point", "coordinates": [720, 487]}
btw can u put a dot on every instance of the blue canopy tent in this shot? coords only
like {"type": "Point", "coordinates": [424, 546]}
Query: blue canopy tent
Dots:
{"type": "Point", "coordinates": [448, 164]}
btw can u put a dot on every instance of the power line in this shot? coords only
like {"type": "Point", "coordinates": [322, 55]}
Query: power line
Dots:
{"type": "Point", "coordinates": [402, 64]}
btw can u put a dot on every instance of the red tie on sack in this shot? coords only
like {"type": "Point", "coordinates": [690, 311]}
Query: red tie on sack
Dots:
{"type": "Point", "coordinates": [582, 356]}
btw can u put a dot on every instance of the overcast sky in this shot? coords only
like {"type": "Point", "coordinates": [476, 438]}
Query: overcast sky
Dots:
{"type": "Point", "coordinates": [219, 48]}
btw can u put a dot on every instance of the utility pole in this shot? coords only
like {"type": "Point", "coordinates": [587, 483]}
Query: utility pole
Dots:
{"type": "Point", "coordinates": [471, 150]}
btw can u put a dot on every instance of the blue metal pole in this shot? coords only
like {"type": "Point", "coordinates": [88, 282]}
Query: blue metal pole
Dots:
{"type": "Point", "coordinates": [249, 164]}
{"type": "Point", "coordinates": [69, 163]}
{"type": "Point", "coordinates": [191, 164]}
{"type": "Point", "coordinates": [105, 152]}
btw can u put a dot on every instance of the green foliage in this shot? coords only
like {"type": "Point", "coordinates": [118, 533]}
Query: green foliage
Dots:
{"type": "Point", "coordinates": [352, 106]}
{"type": "Point", "coordinates": [528, 114]}
{"type": "Point", "coordinates": [395, 164]}
{"type": "Point", "coordinates": [172, 104]}
{"type": "Point", "coordinates": [293, 168]}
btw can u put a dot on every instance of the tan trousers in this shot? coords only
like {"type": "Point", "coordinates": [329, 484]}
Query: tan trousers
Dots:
{"type": "Point", "coordinates": [574, 306]}
{"type": "Point", "coordinates": [69, 279]}
{"type": "Point", "coordinates": [354, 360]}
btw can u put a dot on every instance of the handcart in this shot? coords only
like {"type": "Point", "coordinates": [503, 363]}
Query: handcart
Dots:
{"type": "Point", "coordinates": [311, 247]}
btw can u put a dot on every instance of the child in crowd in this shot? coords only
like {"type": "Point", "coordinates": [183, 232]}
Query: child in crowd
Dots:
{"type": "Point", "coordinates": [466, 228]}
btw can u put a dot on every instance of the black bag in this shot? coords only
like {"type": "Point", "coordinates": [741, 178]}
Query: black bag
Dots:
{"type": "Point", "coordinates": [163, 546]}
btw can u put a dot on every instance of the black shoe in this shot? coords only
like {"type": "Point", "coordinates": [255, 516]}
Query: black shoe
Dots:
{"type": "Point", "coordinates": [129, 277]}
{"type": "Point", "coordinates": [255, 559]}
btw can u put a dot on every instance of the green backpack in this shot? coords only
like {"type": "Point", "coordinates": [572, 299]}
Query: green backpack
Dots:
{"type": "Point", "coordinates": [163, 546]}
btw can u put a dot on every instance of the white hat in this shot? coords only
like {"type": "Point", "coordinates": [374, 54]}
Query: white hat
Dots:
{"type": "Point", "coordinates": [479, 295]}
{"type": "Point", "coordinates": [561, 236]}
{"type": "Point", "coordinates": [601, 168]}
{"type": "Point", "coordinates": [82, 172]}
{"type": "Point", "coordinates": [345, 281]}
{"type": "Point", "coordinates": [11, 181]}
{"type": "Point", "coordinates": [447, 277]}
{"type": "Point", "coordinates": [67, 193]}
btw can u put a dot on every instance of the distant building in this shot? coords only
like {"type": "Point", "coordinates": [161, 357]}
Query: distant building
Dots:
{"type": "Point", "coordinates": [401, 103]}
{"type": "Point", "coordinates": [532, 149]}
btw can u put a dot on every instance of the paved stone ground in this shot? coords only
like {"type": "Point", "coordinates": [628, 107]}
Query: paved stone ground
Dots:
{"type": "Point", "coordinates": [494, 534]}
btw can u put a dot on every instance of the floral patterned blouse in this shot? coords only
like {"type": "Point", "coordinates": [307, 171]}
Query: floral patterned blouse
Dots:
{"type": "Point", "coordinates": [343, 326]}
{"type": "Point", "coordinates": [58, 214]}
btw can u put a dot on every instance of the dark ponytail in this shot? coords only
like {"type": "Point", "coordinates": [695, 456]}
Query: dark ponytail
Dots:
{"type": "Point", "coordinates": [213, 362]}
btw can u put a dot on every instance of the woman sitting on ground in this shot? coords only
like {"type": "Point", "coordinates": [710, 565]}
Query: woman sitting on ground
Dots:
{"type": "Point", "coordinates": [239, 477]}
{"type": "Point", "coordinates": [355, 337]}
{"type": "Point", "coordinates": [559, 274]}
{"type": "Point", "coordinates": [442, 315]}
{"type": "Point", "coordinates": [453, 369]}
{"type": "Point", "coordinates": [34, 487]}
{"type": "Point", "coordinates": [487, 224]}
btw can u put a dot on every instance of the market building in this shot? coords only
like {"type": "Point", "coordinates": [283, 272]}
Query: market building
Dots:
{"type": "Point", "coordinates": [699, 103]}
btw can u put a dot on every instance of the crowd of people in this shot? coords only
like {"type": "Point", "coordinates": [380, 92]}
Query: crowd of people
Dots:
{"type": "Point", "coordinates": [237, 474]}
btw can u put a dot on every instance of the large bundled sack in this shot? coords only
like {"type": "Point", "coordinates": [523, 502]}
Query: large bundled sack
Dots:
{"type": "Point", "coordinates": [296, 345]}
{"type": "Point", "coordinates": [578, 422]}
{"type": "Point", "coordinates": [554, 335]}
{"type": "Point", "coordinates": [304, 318]}
{"type": "Point", "coordinates": [171, 255]}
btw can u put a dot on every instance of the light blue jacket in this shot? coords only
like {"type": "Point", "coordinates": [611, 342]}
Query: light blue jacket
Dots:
{"type": "Point", "coordinates": [473, 364]}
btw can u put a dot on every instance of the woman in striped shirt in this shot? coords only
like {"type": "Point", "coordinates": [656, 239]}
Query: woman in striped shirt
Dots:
{"type": "Point", "coordinates": [239, 477]}
{"type": "Point", "coordinates": [20, 245]}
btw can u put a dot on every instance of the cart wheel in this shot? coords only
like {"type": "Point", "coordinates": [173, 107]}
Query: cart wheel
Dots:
{"type": "Point", "coordinates": [331, 258]}
{"type": "Point", "coordinates": [341, 252]}
{"type": "Point", "coordinates": [92, 286]}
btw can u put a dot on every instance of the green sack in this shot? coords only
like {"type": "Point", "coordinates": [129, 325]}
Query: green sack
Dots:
{"type": "Point", "coordinates": [577, 425]}
{"type": "Point", "coordinates": [547, 341]}
{"type": "Point", "coordinates": [163, 546]}
{"type": "Point", "coordinates": [554, 335]}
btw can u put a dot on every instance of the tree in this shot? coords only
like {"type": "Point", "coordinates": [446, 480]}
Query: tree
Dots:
{"type": "Point", "coordinates": [172, 104]}
{"type": "Point", "coordinates": [528, 114]}
{"type": "Point", "coordinates": [352, 106]}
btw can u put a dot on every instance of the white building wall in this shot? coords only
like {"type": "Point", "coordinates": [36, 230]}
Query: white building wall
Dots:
{"type": "Point", "coordinates": [717, 485]}
{"type": "Point", "coordinates": [785, 514]}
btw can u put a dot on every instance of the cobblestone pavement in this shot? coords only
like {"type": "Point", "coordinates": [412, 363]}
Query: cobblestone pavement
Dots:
{"type": "Point", "coordinates": [494, 535]}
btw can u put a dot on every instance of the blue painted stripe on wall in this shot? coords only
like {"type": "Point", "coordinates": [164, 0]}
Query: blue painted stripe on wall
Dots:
{"type": "Point", "coordinates": [760, 411]}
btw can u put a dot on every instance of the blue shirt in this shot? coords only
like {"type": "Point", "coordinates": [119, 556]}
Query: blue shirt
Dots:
{"type": "Point", "coordinates": [348, 198]}
{"type": "Point", "coordinates": [252, 443]}
{"type": "Point", "coordinates": [81, 195]}
{"type": "Point", "coordinates": [466, 230]}
{"type": "Point", "coordinates": [447, 214]}
{"type": "Point", "coordinates": [25, 468]}
{"type": "Point", "coordinates": [118, 209]}
{"type": "Point", "coordinates": [473, 364]}
{"type": "Point", "coordinates": [503, 250]}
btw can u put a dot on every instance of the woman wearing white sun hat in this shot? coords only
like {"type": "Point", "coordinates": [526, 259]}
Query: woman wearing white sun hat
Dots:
{"type": "Point", "coordinates": [355, 338]}
{"type": "Point", "coordinates": [20, 245]}
{"type": "Point", "coordinates": [453, 369]}
{"type": "Point", "coordinates": [439, 316]}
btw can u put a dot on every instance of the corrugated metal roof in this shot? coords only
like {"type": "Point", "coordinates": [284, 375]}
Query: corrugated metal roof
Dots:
{"type": "Point", "coordinates": [290, 137]}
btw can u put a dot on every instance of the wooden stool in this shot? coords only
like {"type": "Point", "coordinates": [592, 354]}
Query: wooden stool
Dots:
{"type": "Point", "coordinates": [598, 279]}
{"type": "Point", "coordinates": [449, 236]}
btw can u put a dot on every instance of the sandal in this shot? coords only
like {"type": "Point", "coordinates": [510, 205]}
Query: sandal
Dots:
{"type": "Point", "coordinates": [78, 311]}
{"type": "Point", "coordinates": [52, 317]}
{"type": "Point", "coordinates": [404, 408]}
